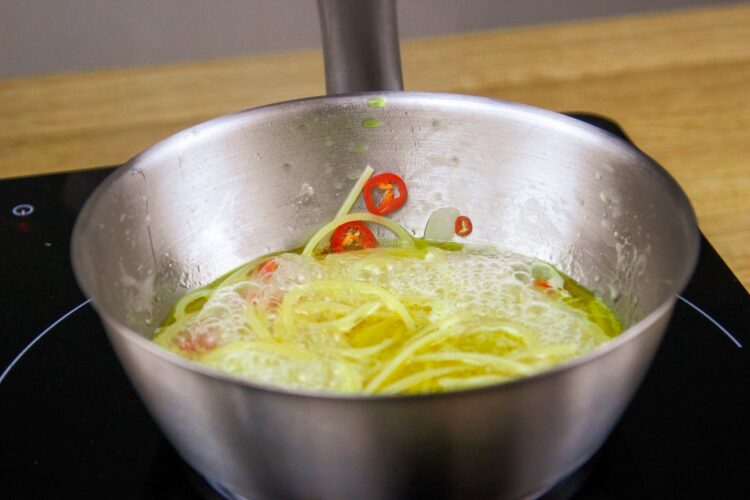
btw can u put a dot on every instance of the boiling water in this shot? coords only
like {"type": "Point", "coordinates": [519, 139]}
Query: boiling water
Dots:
{"type": "Point", "coordinates": [388, 320]}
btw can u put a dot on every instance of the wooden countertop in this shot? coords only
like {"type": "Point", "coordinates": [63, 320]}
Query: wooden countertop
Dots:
{"type": "Point", "coordinates": [678, 82]}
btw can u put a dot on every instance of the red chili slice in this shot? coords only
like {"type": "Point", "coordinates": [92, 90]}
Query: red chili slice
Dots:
{"type": "Point", "coordinates": [267, 267]}
{"type": "Point", "coordinates": [197, 341]}
{"type": "Point", "coordinates": [353, 235]}
{"type": "Point", "coordinates": [542, 284]}
{"type": "Point", "coordinates": [393, 190]}
{"type": "Point", "coordinates": [463, 226]}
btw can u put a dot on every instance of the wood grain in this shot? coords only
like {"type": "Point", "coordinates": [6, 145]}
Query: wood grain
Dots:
{"type": "Point", "coordinates": [678, 82]}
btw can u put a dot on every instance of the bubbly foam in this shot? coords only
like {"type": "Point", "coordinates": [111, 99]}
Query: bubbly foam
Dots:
{"type": "Point", "coordinates": [322, 341]}
{"type": "Point", "coordinates": [497, 284]}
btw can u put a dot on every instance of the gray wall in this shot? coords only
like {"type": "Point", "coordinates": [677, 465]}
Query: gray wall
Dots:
{"type": "Point", "coordinates": [52, 36]}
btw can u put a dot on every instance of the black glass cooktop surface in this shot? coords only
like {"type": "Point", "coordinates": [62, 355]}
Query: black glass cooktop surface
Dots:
{"type": "Point", "coordinates": [72, 426]}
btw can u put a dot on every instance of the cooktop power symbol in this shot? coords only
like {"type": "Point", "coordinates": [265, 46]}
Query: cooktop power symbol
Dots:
{"type": "Point", "coordinates": [23, 210]}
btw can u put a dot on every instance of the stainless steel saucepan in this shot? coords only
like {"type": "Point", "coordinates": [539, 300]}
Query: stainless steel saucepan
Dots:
{"type": "Point", "coordinates": [218, 194]}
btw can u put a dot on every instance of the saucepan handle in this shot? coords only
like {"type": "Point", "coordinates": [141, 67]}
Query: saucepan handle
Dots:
{"type": "Point", "coordinates": [360, 45]}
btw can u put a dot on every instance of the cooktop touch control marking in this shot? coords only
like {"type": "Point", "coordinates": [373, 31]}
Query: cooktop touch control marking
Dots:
{"type": "Point", "coordinates": [22, 210]}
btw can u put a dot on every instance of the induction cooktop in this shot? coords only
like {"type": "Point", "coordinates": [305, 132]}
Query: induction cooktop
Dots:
{"type": "Point", "coordinates": [73, 427]}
